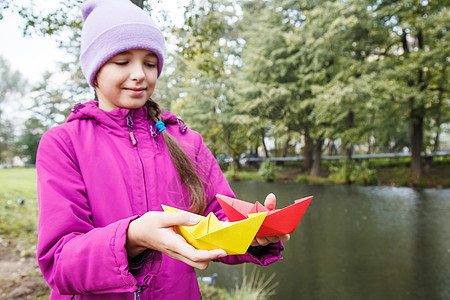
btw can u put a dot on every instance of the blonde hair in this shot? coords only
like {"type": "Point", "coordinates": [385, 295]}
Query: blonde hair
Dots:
{"type": "Point", "coordinates": [183, 163]}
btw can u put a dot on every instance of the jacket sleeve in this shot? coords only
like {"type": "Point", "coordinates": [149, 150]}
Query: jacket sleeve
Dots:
{"type": "Point", "coordinates": [73, 255]}
{"type": "Point", "coordinates": [216, 183]}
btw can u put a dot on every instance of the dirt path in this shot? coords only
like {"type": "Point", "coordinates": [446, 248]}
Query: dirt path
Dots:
{"type": "Point", "coordinates": [20, 277]}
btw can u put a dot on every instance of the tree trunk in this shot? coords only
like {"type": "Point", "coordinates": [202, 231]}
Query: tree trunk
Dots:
{"type": "Point", "coordinates": [315, 170]}
{"type": "Point", "coordinates": [286, 148]}
{"type": "Point", "coordinates": [308, 152]}
{"type": "Point", "coordinates": [263, 134]}
{"type": "Point", "coordinates": [331, 148]}
{"type": "Point", "coordinates": [416, 139]}
{"type": "Point", "coordinates": [438, 109]}
{"type": "Point", "coordinates": [348, 147]}
{"type": "Point", "coordinates": [369, 138]}
{"type": "Point", "coordinates": [417, 115]}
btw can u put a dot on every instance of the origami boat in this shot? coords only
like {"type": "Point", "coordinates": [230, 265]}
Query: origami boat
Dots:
{"type": "Point", "coordinates": [278, 221]}
{"type": "Point", "coordinates": [210, 233]}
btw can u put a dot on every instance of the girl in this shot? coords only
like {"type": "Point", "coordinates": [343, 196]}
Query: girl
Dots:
{"type": "Point", "coordinates": [103, 175]}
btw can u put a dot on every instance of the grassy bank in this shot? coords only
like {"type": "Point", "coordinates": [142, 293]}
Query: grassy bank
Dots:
{"type": "Point", "coordinates": [20, 277]}
{"type": "Point", "coordinates": [391, 172]}
{"type": "Point", "coordinates": [18, 207]}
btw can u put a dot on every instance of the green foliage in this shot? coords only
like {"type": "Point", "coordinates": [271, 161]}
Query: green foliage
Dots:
{"type": "Point", "coordinates": [233, 174]}
{"type": "Point", "coordinates": [268, 170]}
{"type": "Point", "coordinates": [372, 74]}
{"type": "Point", "coordinates": [29, 139]}
{"type": "Point", "coordinates": [212, 292]}
{"type": "Point", "coordinates": [302, 179]}
{"type": "Point", "coordinates": [12, 82]}
{"type": "Point", "coordinates": [350, 171]}
{"type": "Point", "coordinates": [202, 84]}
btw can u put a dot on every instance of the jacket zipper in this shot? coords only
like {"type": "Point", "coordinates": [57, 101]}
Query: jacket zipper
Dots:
{"type": "Point", "coordinates": [130, 126]}
{"type": "Point", "coordinates": [141, 286]}
{"type": "Point", "coordinates": [134, 142]}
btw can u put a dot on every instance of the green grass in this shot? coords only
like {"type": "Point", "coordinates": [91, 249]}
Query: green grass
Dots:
{"type": "Point", "coordinates": [254, 286]}
{"type": "Point", "coordinates": [18, 223]}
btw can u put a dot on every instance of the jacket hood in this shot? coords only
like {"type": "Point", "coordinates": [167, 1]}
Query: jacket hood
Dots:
{"type": "Point", "coordinates": [118, 116]}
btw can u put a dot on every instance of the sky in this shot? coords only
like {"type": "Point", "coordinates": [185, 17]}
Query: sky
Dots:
{"type": "Point", "coordinates": [31, 56]}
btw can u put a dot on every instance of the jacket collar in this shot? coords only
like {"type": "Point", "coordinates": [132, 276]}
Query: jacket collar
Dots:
{"type": "Point", "coordinates": [118, 116]}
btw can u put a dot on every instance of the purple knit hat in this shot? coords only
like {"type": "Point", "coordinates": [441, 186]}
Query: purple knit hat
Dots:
{"type": "Point", "coordinates": [114, 26]}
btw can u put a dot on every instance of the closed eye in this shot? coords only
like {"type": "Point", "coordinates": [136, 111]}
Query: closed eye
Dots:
{"type": "Point", "coordinates": [121, 63]}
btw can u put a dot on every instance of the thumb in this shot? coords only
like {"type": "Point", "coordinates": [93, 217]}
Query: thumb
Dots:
{"type": "Point", "coordinates": [270, 201]}
{"type": "Point", "coordinates": [174, 218]}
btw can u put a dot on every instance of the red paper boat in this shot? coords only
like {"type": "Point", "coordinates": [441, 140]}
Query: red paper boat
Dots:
{"type": "Point", "coordinates": [278, 221]}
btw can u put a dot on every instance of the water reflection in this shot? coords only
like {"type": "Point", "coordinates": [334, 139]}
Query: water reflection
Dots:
{"type": "Point", "coordinates": [358, 243]}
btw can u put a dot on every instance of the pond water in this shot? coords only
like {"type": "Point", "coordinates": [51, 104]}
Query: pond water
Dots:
{"type": "Point", "coordinates": [356, 243]}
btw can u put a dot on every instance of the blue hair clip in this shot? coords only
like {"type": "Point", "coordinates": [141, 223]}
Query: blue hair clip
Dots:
{"type": "Point", "coordinates": [160, 126]}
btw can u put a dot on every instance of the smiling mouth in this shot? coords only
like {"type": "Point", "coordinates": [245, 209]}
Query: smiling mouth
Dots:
{"type": "Point", "coordinates": [136, 89]}
{"type": "Point", "coordinates": [136, 92]}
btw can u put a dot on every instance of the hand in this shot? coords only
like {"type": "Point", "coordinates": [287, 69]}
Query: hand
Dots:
{"type": "Point", "coordinates": [154, 230]}
{"type": "Point", "coordinates": [270, 203]}
{"type": "Point", "coordinates": [265, 240]}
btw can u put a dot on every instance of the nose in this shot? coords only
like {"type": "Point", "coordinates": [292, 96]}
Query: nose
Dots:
{"type": "Point", "coordinates": [137, 73]}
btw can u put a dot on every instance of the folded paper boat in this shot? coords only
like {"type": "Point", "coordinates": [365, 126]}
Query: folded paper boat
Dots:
{"type": "Point", "coordinates": [278, 221]}
{"type": "Point", "coordinates": [211, 233]}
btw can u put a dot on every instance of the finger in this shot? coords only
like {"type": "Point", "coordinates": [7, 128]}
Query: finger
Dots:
{"type": "Point", "coordinates": [197, 258]}
{"type": "Point", "coordinates": [169, 219]}
{"type": "Point", "coordinates": [270, 201]}
{"type": "Point", "coordinates": [284, 237]}
{"type": "Point", "coordinates": [254, 242]}
{"type": "Point", "coordinates": [265, 240]}
{"type": "Point", "coordinates": [262, 240]}
{"type": "Point", "coordinates": [272, 239]}
{"type": "Point", "coordinates": [181, 247]}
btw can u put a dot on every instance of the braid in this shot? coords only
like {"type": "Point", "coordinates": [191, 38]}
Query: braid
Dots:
{"type": "Point", "coordinates": [182, 162]}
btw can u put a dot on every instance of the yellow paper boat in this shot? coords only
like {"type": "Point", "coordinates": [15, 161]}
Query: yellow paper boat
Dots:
{"type": "Point", "coordinates": [210, 233]}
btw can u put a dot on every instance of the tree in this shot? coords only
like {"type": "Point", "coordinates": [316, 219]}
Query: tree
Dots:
{"type": "Point", "coordinates": [28, 142]}
{"type": "Point", "coordinates": [271, 100]}
{"type": "Point", "coordinates": [12, 86]}
{"type": "Point", "coordinates": [415, 59]}
{"type": "Point", "coordinates": [205, 65]}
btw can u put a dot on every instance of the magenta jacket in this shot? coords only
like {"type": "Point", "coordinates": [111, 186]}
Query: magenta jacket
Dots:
{"type": "Point", "coordinates": [93, 180]}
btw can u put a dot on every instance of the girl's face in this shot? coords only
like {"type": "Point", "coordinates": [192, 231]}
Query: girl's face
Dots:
{"type": "Point", "coordinates": [127, 80]}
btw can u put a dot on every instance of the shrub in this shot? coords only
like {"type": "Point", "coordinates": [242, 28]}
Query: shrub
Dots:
{"type": "Point", "coordinates": [268, 170]}
{"type": "Point", "coordinates": [351, 172]}
{"type": "Point", "coordinates": [302, 179]}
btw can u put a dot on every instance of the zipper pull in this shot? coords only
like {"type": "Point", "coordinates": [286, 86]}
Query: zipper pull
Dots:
{"type": "Point", "coordinates": [154, 135]}
{"type": "Point", "coordinates": [137, 294]}
{"type": "Point", "coordinates": [130, 125]}
{"type": "Point", "coordinates": [153, 132]}
{"type": "Point", "coordinates": [133, 139]}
